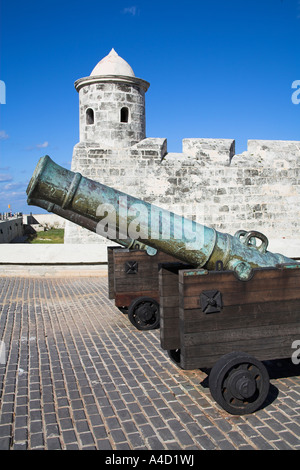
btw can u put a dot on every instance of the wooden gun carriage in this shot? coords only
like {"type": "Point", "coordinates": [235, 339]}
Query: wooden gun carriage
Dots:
{"type": "Point", "coordinates": [214, 320]}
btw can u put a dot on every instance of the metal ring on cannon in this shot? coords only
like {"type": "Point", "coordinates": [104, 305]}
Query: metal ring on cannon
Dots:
{"type": "Point", "coordinates": [252, 235]}
{"type": "Point", "coordinates": [240, 234]}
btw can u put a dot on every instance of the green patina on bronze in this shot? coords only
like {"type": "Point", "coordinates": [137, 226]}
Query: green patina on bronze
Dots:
{"type": "Point", "coordinates": [78, 199]}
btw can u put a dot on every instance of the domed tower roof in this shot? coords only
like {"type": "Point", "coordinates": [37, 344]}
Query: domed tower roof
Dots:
{"type": "Point", "coordinates": [112, 68]}
{"type": "Point", "coordinates": [112, 64]}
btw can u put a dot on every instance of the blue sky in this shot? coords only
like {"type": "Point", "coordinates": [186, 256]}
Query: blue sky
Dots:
{"type": "Point", "coordinates": [220, 69]}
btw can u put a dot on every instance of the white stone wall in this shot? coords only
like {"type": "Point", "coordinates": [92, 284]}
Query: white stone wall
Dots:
{"type": "Point", "coordinates": [44, 220]}
{"type": "Point", "coordinates": [256, 190]}
{"type": "Point", "coordinates": [11, 229]}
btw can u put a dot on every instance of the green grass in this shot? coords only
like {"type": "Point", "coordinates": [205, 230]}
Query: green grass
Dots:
{"type": "Point", "coordinates": [54, 235]}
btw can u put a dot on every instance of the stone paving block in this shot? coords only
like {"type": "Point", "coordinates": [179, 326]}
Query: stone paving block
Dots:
{"type": "Point", "coordinates": [78, 375]}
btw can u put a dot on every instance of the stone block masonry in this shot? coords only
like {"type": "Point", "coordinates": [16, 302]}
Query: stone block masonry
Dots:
{"type": "Point", "coordinates": [44, 221]}
{"type": "Point", "coordinates": [10, 229]}
{"type": "Point", "coordinates": [105, 100]}
{"type": "Point", "coordinates": [256, 190]}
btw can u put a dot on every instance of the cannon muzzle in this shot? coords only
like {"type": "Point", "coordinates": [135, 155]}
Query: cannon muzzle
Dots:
{"type": "Point", "coordinates": [126, 219]}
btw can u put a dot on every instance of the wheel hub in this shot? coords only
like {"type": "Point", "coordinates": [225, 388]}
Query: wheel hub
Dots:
{"type": "Point", "coordinates": [242, 384]}
{"type": "Point", "coordinates": [145, 313]}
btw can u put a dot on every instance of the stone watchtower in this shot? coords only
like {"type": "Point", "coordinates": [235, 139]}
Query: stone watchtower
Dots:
{"type": "Point", "coordinates": [112, 119]}
{"type": "Point", "coordinates": [112, 104]}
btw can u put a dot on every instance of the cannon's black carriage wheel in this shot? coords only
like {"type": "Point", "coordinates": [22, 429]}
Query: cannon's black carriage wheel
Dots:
{"type": "Point", "coordinates": [143, 313]}
{"type": "Point", "coordinates": [239, 383]}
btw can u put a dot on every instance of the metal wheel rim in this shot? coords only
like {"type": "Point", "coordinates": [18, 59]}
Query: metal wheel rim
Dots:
{"type": "Point", "coordinates": [144, 313]}
{"type": "Point", "coordinates": [229, 393]}
{"type": "Point", "coordinates": [221, 383]}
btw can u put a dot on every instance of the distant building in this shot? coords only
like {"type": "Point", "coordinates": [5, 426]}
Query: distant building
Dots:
{"type": "Point", "coordinates": [11, 228]}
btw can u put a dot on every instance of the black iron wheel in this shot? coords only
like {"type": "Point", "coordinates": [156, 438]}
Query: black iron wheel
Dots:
{"type": "Point", "coordinates": [143, 313]}
{"type": "Point", "coordinates": [239, 383]}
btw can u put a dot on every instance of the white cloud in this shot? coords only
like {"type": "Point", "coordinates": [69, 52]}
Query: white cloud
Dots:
{"type": "Point", "coordinates": [3, 135]}
{"type": "Point", "coordinates": [13, 194]}
{"type": "Point", "coordinates": [131, 10]}
{"type": "Point", "coordinates": [12, 197]}
{"type": "Point", "coordinates": [42, 146]}
{"type": "Point", "coordinates": [39, 146]}
{"type": "Point", "coordinates": [13, 186]}
{"type": "Point", "coordinates": [4, 177]}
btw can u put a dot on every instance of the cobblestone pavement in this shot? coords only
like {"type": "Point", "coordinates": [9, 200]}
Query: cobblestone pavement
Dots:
{"type": "Point", "coordinates": [78, 375]}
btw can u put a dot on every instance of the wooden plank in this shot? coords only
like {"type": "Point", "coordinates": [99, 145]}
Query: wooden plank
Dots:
{"type": "Point", "coordinates": [256, 334]}
{"type": "Point", "coordinates": [234, 298]}
{"type": "Point", "coordinates": [241, 316]}
{"type": "Point", "coordinates": [110, 261]}
{"type": "Point", "coordinates": [168, 291]}
{"type": "Point", "coordinates": [146, 266]}
{"type": "Point", "coordinates": [143, 269]}
{"type": "Point", "coordinates": [258, 285]}
{"type": "Point", "coordinates": [142, 255]}
{"type": "Point", "coordinates": [125, 299]}
{"type": "Point", "coordinates": [136, 284]}
{"type": "Point", "coordinates": [170, 301]}
{"type": "Point", "coordinates": [170, 332]}
{"type": "Point", "coordinates": [167, 343]}
{"type": "Point", "coordinates": [189, 275]}
{"type": "Point", "coordinates": [169, 314]}
{"type": "Point", "coordinates": [266, 285]}
{"type": "Point", "coordinates": [270, 348]}
{"type": "Point", "coordinates": [208, 361]}
{"type": "Point", "coordinates": [169, 286]}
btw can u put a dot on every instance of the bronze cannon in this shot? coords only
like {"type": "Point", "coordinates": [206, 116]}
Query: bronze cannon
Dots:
{"type": "Point", "coordinates": [118, 216]}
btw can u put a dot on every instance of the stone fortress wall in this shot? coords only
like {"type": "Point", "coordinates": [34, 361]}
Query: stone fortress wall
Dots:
{"type": "Point", "coordinates": [256, 190]}
{"type": "Point", "coordinates": [11, 229]}
{"type": "Point", "coordinates": [43, 221]}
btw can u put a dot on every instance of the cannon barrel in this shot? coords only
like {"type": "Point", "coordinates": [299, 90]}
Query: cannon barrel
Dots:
{"type": "Point", "coordinates": [87, 223]}
{"type": "Point", "coordinates": [119, 216]}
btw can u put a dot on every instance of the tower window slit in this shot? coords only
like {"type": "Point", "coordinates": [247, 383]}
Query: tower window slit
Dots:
{"type": "Point", "coordinates": [124, 114]}
{"type": "Point", "coordinates": [90, 116]}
